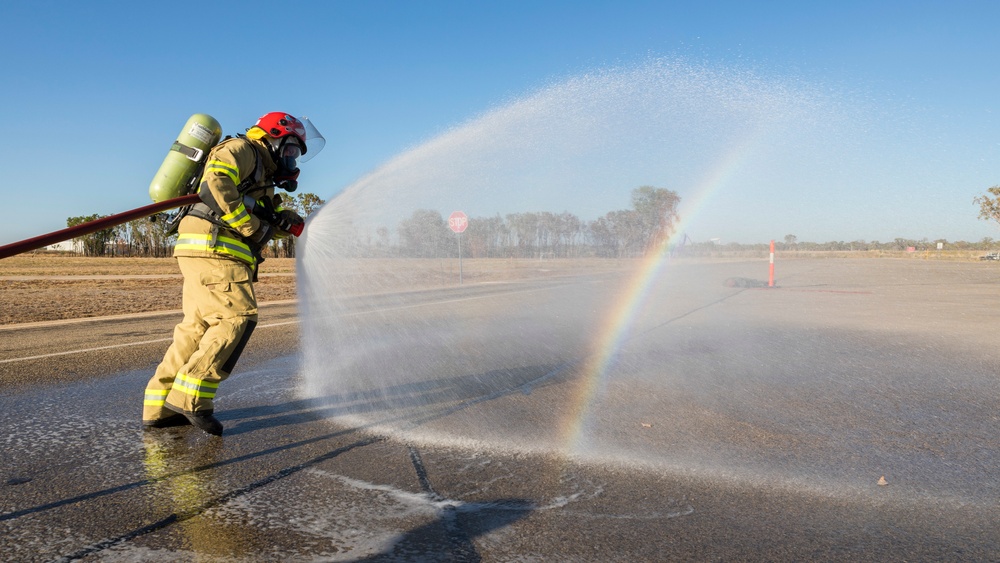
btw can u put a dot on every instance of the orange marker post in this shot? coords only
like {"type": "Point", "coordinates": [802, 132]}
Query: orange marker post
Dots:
{"type": "Point", "coordinates": [770, 278]}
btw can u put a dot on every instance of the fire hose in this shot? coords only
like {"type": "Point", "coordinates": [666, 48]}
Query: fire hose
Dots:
{"type": "Point", "coordinates": [84, 229]}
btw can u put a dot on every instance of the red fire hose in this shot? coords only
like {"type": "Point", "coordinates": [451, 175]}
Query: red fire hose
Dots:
{"type": "Point", "coordinates": [94, 226]}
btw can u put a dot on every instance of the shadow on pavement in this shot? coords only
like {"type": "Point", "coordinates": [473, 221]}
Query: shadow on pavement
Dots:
{"type": "Point", "coordinates": [450, 537]}
{"type": "Point", "coordinates": [448, 394]}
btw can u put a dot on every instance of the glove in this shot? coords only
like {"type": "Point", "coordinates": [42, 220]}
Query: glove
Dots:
{"type": "Point", "coordinates": [289, 222]}
{"type": "Point", "coordinates": [259, 239]}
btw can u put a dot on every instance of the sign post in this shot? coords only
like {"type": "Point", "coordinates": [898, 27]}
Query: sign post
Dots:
{"type": "Point", "coordinates": [458, 222]}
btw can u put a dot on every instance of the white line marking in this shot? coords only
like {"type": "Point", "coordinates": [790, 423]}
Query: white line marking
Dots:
{"type": "Point", "coordinates": [113, 346]}
{"type": "Point", "coordinates": [126, 316]}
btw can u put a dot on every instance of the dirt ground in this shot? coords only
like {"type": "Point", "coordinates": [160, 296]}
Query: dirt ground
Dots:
{"type": "Point", "coordinates": [51, 287]}
{"type": "Point", "coordinates": [45, 287]}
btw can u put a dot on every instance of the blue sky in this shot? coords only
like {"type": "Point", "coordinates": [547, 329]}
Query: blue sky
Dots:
{"type": "Point", "coordinates": [94, 92]}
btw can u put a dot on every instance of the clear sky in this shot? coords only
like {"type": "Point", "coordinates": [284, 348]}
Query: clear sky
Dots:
{"type": "Point", "coordinates": [93, 93]}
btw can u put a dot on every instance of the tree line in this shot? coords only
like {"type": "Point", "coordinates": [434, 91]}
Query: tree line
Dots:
{"type": "Point", "coordinates": [626, 233]}
{"type": "Point", "coordinates": [894, 245]}
{"type": "Point", "coordinates": [618, 234]}
{"type": "Point", "coordinates": [425, 233]}
{"type": "Point", "coordinates": [989, 210]}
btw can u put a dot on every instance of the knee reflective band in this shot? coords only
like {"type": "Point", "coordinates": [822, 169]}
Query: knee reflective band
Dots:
{"type": "Point", "coordinates": [196, 387]}
{"type": "Point", "coordinates": [155, 397]}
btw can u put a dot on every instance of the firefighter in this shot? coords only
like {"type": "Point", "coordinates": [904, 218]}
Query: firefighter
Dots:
{"type": "Point", "coordinates": [218, 249]}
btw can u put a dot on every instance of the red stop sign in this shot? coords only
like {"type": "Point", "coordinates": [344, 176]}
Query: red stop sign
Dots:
{"type": "Point", "coordinates": [458, 222]}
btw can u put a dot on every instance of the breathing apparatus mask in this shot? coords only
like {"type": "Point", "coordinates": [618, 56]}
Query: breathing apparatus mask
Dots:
{"type": "Point", "coordinates": [286, 152]}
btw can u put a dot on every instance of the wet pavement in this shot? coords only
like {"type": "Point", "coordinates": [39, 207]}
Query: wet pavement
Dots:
{"type": "Point", "coordinates": [733, 424]}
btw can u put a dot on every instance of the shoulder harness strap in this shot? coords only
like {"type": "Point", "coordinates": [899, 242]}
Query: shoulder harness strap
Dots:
{"type": "Point", "coordinates": [203, 211]}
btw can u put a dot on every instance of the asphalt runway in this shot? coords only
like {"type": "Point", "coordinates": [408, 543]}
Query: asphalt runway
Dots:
{"type": "Point", "coordinates": [847, 414]}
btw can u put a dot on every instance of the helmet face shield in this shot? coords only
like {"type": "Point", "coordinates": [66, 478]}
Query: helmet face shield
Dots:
{"type": "Point", "coordinates": [314, 139]}
{"type": "Point", "coordinates": [280, 125]}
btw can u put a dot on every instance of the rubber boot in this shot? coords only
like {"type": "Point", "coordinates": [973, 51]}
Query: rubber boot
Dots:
{"type": "Point", "coordinates": [203, 420]}
{"type": "Point", "coordinates": [171, 421]}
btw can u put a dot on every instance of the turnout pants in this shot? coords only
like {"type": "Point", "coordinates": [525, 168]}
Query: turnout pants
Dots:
{"type": "Point", "coordinates": [220, 313]}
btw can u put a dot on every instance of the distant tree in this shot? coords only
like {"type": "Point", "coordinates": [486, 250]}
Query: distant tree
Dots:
{"type": "Point", "coordinates": [790, 240]}
{"type": "Point", "coordinates": [525, 229]}
{"type": "Point", "coordinates": [149, 237]}
{"type": "Point", "coordinates": [382, 243]}
{"type": "Point", "coordinates": [424, 234]}
{"type": "Point", "coordinates": [633, 232]}
{"type": "Point", "coordinates": [569, 228]}
{"type": "Point", "coordinates": [989, 207]}
{"type": "Point", "coordinates": [94, 244]}
{"type": "Point", "coordinates": [628, 234]}
{"type": "Point", "coordinates": [486, 236]}
{"type": "Point", "coordinates": [656, 210]}
{"type": "Point", "coordinates": [304, 204]}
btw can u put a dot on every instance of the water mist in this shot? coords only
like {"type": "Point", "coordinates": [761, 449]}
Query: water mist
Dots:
{"type": "Point", "coordinates": [518, 357]}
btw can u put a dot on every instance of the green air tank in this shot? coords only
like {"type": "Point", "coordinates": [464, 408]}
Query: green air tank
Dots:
{"type": "Point", "coordinates": [180, 169]}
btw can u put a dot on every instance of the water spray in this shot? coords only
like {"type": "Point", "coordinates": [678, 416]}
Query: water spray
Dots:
{"type": "Point", "coordinates": [578, 146]}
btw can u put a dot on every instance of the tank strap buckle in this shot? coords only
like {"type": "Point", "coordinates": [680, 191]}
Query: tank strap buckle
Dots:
{"type": "Point", "coordinates": [190, 152]}
{"type": "Point", "coordinates": [215, 236]}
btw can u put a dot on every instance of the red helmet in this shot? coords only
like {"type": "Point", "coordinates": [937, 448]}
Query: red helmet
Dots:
{"type": "Point", "coordinates": [277, 125]}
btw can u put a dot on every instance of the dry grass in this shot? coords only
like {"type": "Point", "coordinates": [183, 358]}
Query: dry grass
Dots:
{"type": "Point", "coordinates": [70, 265]}
{"type": "Point", "coordinates": [43, 287]}
{"type": "Point", "coordinates": [944, 255]}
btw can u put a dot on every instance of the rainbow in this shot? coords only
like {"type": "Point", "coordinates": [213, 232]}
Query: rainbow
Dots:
{"type": "Point", "coordinates": [617, 326]}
